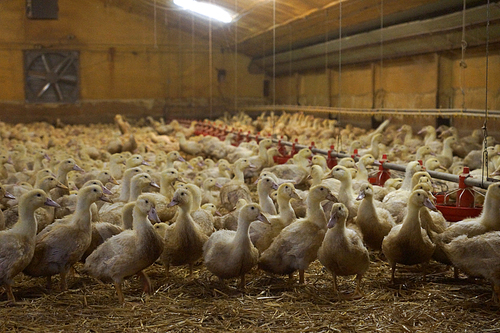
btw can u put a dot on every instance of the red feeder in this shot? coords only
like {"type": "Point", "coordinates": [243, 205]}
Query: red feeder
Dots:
{"type": "Point", "coordinates": [464, 207]}
{"type": "Point", "coordinates": [382, 175]}
{"type": "Point", "coordinates": [331, 161]}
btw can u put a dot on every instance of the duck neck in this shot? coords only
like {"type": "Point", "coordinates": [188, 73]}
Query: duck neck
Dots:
{"type": "Point", "coordinates": [239, 176]}
{"type": "Point", "coordinates": [286, 210]}
{"type": "Point", "coordinates": [184, 215]}
{"type": "Point", "coordinates": [315, 212]}
{"type": "Point", "coordinates": [135, 192]}
{"type": "Point", "coordinates": [367, 207]}
{"type": "Point", "coordinates": [115, 169]}
{"type": "Point", "coordinates": [242, 236]}
{"type": "Point", "coordinates": [26, 224]}
{"type": "Point", "coordinates": [346, 188]}
{"type": "Point", "coordinates": [127, 216]}
{"type": "Point", "coordinates": [447, 150]}
{"type": "Point", "coordinates": [125, 192]}
{"type": "Point", "coordinates": [62, 176]}
{"type": "Point", "coordinates": [411, 222]}
{"type": "Point", "coordinates": [262, 152]}
{"type": "Point", "coordinates": [266, 203]}
{"type": "Point", "coordinates": [406, 185]}
{"type": "Point", "coordinates": [167, 188]}
{"type": "Point", "coordinates": [140, 221]}
{"type": "Point", "coordinates": [82, 212]}
{"type": "Point", "coordinates": [489, 215]}
{"type": "Point", "coordinates": [362, 172]}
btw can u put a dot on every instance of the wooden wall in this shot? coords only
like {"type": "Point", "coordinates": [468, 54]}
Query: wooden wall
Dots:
{"type": "Point", "coordinates": [123, 67]}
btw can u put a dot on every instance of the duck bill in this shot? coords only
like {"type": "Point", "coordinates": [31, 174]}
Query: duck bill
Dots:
{"type": "Point", "coordinates": [274, 186]}
{"type": "Point", "coordinates": [429, 204]}
{"type": "Point", "coordinates": [52, 203]}
{"type": "Point", "coordinates": [218, 213]}
{"type": "Point", "coordinates": [218, 185]}
{"type": "Point", "coordinates": [361, 195]}
{"type": "Point", "coordinates": [153, 184]}
{"type": "Point", "coordinates": [173, 203]}
{"type": "Point", "coordinates": [47, 157]}
{"type": "Point", "coordinates": [145, 163]}
{"type": "Point", "coordinates": [113, 180]}
{"type": "Point", "coordinates": [153, 215]}
{"type": "Point", "coordinates": [295, 195]}
{"type": "Point", "coordinates": [190, 166]}
{"type": "Point", "coordinates": [181, 159]}
{"type": "Point", "coordinates": [105, 198]}
{"type": "Point", "coordinates": [331, 197]}
{"type": "Point", "coordinates": [9, 195]}
{"type": "Point", "coordinates": [61, 185]}
{"type": "Point", "coordinates": [77, 168]}
{"type": "Point", "coordinates": [263, 218]}
{"type": "Point", "coordinates": [105, 190]}
{"type": "Point", "coordinates": [333, 220]}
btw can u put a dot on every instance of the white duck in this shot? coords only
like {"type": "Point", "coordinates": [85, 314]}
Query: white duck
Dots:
{"type": "Point", "coordinates": [228, 254]}
{"type": "Point", "coordinates": [373, 222]}
{"type": "Point", "coordinates": [342, 251]}
{"type": "Point", "coordinates": [263, 234]}
{"type": "Point", "coordinates": [408, 243]}
{"type": "Point", "coordinates": [129, 252]}
{"type": "Point", "coordinates": [297, 245]}
{"type": "Point", "coordinates": [236, 189]}
{"type": "Point", "coordinates": [184, 239]}
{"type": "Point", "coordinates": [60, 245]}
{"type": "Point", "coordinates": [264, 189]}
{"type": "Point", "coordinates": [17, 245]}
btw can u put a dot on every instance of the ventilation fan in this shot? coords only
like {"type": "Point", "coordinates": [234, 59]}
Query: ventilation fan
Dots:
{"type": "Point", "coordinates": [51, 76]}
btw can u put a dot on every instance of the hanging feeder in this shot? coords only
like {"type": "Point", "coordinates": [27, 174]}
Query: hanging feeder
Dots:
{"type": "Point", "coordinates": [464, 205]}
{"type": "Point", "coordinates": [382, 174]}
{"type": "Point", "coordinates": [331, 160]}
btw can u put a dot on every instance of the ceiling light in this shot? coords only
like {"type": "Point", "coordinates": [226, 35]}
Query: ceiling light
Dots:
{"type": "Point", "coordinates": [205, 9]}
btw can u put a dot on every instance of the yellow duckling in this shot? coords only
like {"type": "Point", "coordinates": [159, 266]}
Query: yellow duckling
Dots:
{"type": "Point", "coordinates": [228, 254]}
{"type": "Point", "coordinates": [342, 251]}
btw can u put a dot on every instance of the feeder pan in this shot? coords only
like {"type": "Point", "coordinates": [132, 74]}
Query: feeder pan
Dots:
{"type": "Point", "coordinates": [464, 206]}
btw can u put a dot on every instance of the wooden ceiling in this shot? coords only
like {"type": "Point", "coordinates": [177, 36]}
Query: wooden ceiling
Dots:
{"type": "Point", "coordinates": [261, 26]}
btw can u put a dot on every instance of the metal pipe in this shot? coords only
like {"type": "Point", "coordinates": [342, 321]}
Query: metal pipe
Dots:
{"type": "Point", "coordinates": [391, 166]}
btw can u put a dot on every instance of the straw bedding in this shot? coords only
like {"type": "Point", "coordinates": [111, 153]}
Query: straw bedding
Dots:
{"type": "Point", "coordinates": [268, 304]}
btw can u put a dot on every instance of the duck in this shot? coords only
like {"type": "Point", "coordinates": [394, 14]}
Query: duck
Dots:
{"type": "Point", "coordinates": [17, 245]}
{"type": "Point", "coordinates": [129, 252]}
{"type": "Point", "coordinates": [63, 168]}
{"type": "Point", "coordinates": [297, 244]}
{"type": "Point", "coordinates": [346, 193]}
{"type": "Point", "coordinates": [487, 221]}
{"type": "Point", "coordinates": [229, 254]}
{"type": "Point", "coordinates": [373, 222]}
{"type": "Point", "coordinates": [208, 196]}
{"type": "Point", "coordinates": [297, 172]}
{"type": "Point", "coordinates": [184, 239]}
{"type": "Point", "coordinates": [430, 138]}
{"type": "Point", "coordinates": [116, 165]}
{"type": "Point", "coordinates": [138, 183]}
{"type": "Point", "coordinates": [261, 160]}
{"type": "Point", "coordinates": [342, 251]}
{"type": "Point", "coordinates": [264, 188]}
{"type": "Point", "coordinates": [204, 219]}
{"type": "Point", "coordinates": [60, 245]}
{"type": "Point", "coordinates": [446, 156]}
{"type": "Point", "coordinates": [188, 146]}
{"type": "Point", "coordinates": [408, 243]}
{"type": "Point", "coordinates": [229, 221]}
{"type": "Point", "coordinates": [6, 195]}
{"type": "Point", "coordinates": [478, 256]}
{"type": "Point", "coordinates": [262, 234]}
{"type": "Point", "coordinates": [374, 149]}
{"type": "Point", "coordinates": [236, 189]}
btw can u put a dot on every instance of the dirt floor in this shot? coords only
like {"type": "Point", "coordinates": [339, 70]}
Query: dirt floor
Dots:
{"type": "Point", "coordinates": [268, 304]}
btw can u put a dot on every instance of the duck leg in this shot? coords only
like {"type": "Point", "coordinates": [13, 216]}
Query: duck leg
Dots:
{"type": "Point", "coordinates": [49, 282]}
{"type": "Point", "coordinates": [10, 294]}
{"type": "Point", "coordinates": [242, 282]}
{"type": "Point", "coordinates": [64, 278]}
{"type": "Point", "coordinates": [393, 272]}
{"type": "Point", "coordinates": [496, 293]}
{"type": "Point", "coordinates": [358, 293]}
{"type": "Point", "coordinates": [191, 270]}
{"type": "Point", "coordinates": [301, 276]}
{"type": "Point", "coordinates": [118, 287]}
{"type": "Point", "coordinates": [146, 282]}
{"type": "Point", "coordinates": [424, 271]}
{"type": "Point", "coordinates": [290, 278]}
{"type": "Point", "coordinates": [335, 290]}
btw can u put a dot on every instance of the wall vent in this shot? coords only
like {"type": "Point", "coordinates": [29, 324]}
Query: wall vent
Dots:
{"type": "Point", "coordinates": [51, 76]}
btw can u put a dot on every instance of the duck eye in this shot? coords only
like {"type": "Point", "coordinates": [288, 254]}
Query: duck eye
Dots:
{"type": "Point", "coordinates": [38, 195]}
{"type": "Point", "coordinates": [286, 186]}
{"type": "Point", "coordinates": [147, 201]}
{"type": "Point", "coordinates": [253, 208]}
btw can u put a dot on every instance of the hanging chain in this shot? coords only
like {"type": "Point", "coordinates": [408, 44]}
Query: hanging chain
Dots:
{"type": "Point", "coordinates": [382, 52]}
{"type": "Point", "coordinates": [236, 59]}
{"type": "Point", "coordinates": [154, 28]}
{"type": "Point", "coordinates": [463, 64]}
{"type": "Point", "coordinates": [484, 170]}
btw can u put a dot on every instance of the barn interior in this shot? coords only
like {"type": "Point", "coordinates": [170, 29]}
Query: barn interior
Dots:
{"type": "Point", "coordinates": [87, 81]}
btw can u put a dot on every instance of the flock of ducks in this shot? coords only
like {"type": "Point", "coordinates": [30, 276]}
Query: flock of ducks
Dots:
{"type": "Point", "coordinates": [120, 199]}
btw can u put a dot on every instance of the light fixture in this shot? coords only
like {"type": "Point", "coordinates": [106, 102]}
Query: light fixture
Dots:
{"type": "Point", "coordinates": [205, 9]}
